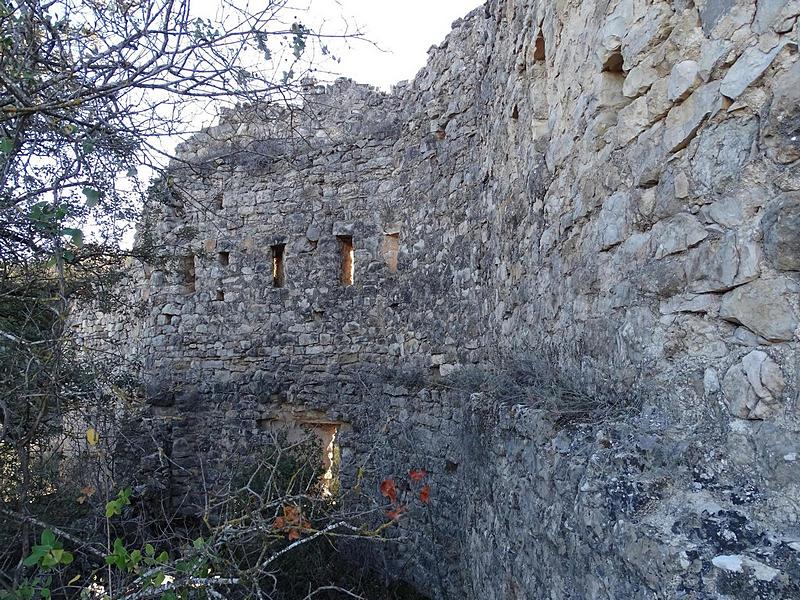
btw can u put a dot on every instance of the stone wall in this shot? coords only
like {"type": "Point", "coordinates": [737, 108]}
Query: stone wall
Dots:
{"type": "Point", "coordinates": [614, 179]}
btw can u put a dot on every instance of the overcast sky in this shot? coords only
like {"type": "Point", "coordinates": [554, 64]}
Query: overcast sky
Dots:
{"type": "Point", "coordinates": [404, 28]}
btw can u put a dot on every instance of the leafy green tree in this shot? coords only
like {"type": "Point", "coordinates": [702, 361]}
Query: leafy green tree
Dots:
{"type": "Point", "coordinates": [92, 95]}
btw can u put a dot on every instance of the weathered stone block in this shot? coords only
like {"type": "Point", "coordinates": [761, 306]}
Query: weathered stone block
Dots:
{"type": "Point", "coordinates": [781, 227]}
{"type": "Point", "coordinates": [763, 306]}
{"type": "Point", "coordinates": [752, 387]}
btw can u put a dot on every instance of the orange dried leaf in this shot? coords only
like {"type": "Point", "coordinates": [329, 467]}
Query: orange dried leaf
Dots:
{"type": "Point", "coordinates": [425, 494]}
{"type": "Point", "coordinates": [292, 513]}
{"type": "Point", "coordinates": [396, 513]}
{"type": "Point", "coordinates": [280, 523]}
{"type": "Point", "coordinates": [294, 534]}
{"type": "Point", "coordinates": [389, 489]}
{"type": "Point", "coordinates": [417, 474]}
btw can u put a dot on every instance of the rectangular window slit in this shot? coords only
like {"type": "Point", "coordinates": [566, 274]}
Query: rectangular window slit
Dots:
{"type": "Point", "coordinates": [347, 248]}
{"type": "Point", "coordinates": [278, 267]}
{"type": "Point", "coordinates": [188, 273]}
{"type": "Point", "coordinates": [219, 199]}
{"type": "Point", "coordinates": [224, 258]}
{"type": "Point", "coordinates": [391, 249]}
{"type": "Point", "coordinates": [220, 295]}
{"type": "Point", "coordinates": [539, 53]}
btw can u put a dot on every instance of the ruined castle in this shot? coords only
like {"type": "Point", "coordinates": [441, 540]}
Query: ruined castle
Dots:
{"type": "Point", "coordinates": [615, 180]}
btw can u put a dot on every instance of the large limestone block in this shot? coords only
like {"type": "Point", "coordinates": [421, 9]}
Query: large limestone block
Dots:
{"type": "Point", "coordinates": [763, 306]}
{"type": "Point", "coordinates": [614, 29]}
{"type": "Point", "coordinates": [781, 226]}
{"type": "Point", "coordinates": [753, 386]}
{"type": "Point", "coordinates": [684, 120]}
{"type": "Point", "coordinates": [776, 15]}
{"type": "Point", "coordinates": [633, 120]}
{"type": "Point", "coordinates": [639, 80]}
{"type": "Point", "coordinates": [677, 234]}
{"type": "Point", "coordinates": [780, 134]}
{"type": "Point", "coordinates": [613, 222]}
{"type": "Point", "coordinates": [747, 69]}
{"type": "Point", "coordinates": [683, 80]}
{"type": "Point", "coordinates": [723, 264]}
{"type": "Point", "coordinates": [711, 11]}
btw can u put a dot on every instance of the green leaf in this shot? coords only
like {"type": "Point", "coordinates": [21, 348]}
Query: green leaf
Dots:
{"type": "Point", "coordinates": [149, 550]}
{"type": "Point", "coordinates": [31, 560]}
{"type": "Point", "coordinates": [163, 557]}
{"type": "Point", "coordinates": [48, 561]}
{"type": "Point", "coordinates": [92, 196]}
{"type": "Point", "coordinates": [45, 593]}
{"type": "Point", "coordinates": [198, 543]}
{"type": "Point", "coordinates": [67, 558]}
{"type": "Point", "coordinates": [6, 145]}
{"type": "Point", "coordinates": [57, 553]}
{"type": "Point", "coordinates": [132, 172]}
{"type": "Point", "coordinates": [159, 578]}
{"type": "Point", "coordinates": [87, 146]}
{"type": "Point", "coordinates": [48, 538]}
{"type": "Point", "coordinates": [75, 234]}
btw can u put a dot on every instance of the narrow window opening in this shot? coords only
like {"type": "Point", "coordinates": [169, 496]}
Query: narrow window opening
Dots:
{"type": "Point", "coordinates": [224, 258]}
{"type": "Point", "coordinates": [539, 53]}
{"type": "Point", "coordinates": [278, 267]}
{"type": "Point", "coordinates": [348, 259]}
{"type": "Point", "coordinates": [220, 296]}
{"type": "Point", "coordinates": [391, 250]}
{"type": "Point", "coordinates": [188, 273]}
{"type": "Point", "coordinates": [614, 63]}
{"type": "Point", "coordinates": [219, 200]}
{"type": "Point", "coordinates": [435, 372]}
{"type": "Point", "coordinates": [331, 457]}
{"type": "Point", "coordinates": [515, 113]}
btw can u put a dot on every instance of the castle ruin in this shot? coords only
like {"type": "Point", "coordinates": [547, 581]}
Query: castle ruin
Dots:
{"type": "Point", "coordinates": [614, 183]}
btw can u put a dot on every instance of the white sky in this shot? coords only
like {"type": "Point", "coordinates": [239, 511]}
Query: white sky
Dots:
{"type": "Point", "coordinates": [404, 29]}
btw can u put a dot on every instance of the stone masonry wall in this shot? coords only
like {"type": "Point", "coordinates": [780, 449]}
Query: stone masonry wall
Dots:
{"type": "Point", "coordinates": [615, 179]}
